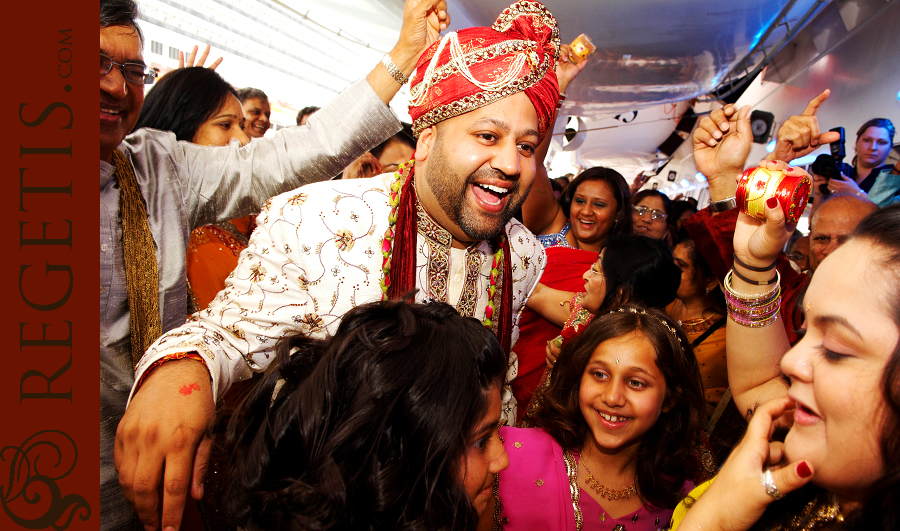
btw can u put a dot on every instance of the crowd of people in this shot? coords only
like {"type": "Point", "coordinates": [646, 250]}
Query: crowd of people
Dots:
{"type": "Point", "coordinates": [444, 337]}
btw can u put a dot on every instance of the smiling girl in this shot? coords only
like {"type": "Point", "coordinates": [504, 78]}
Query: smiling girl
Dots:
{"type": "Point", "coordinates": [612, 447]}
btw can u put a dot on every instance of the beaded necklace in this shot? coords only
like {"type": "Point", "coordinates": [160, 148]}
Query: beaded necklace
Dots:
{"type": "Point", "coordinates": [404, 172]}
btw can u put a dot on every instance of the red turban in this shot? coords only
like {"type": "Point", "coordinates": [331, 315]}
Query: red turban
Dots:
{"type": "Point", "coordinates": [475, 67]}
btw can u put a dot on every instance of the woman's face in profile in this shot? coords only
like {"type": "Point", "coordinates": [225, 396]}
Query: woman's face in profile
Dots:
{"type": "Point", "coordinates": [691, 280]}
{"type": "Point", "coordinates": [836, 370]}
{"type": "Point", "coordinates": [594, 286]}
{"type": "Point", "coordinates": [224, 124]}
{"type": "Point", "coordinates": [485, 455]}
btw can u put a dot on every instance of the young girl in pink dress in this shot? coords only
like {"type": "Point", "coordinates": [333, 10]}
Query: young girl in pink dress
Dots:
{"type": "Point", "coordinates": [612, 447]}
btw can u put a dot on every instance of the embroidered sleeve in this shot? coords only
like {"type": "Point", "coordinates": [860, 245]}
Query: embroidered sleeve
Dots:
{"type": "Point", "coordinates": [265, 298]}
{"type": "Point", "coordinates": [309, 261]}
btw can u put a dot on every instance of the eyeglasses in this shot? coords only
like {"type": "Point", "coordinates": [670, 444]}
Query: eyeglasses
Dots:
{"type": "Point", "coordinates": [640, 210]}
{"type": "Point", "coordinates": [595, 270]}
{"type": "Point", "coordinates": [136, 73]}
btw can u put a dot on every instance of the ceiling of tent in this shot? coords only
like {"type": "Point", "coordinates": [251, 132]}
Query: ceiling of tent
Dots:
{"type": "Point", "coordinates": [654, 57]}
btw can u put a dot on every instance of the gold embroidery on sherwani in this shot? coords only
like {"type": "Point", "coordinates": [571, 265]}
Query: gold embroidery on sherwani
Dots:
{"type": "Point", "coordinates": [438, 268]}
{"type": "Point", "coordinates": [438, 241]}
{"type": "Point", "coordinates": [468, 301]}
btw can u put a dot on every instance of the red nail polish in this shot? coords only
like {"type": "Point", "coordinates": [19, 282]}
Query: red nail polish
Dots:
{"type": "Point", "coordinates": [803, 470]}
{"type": "Point", "coordinates": [772, 202]}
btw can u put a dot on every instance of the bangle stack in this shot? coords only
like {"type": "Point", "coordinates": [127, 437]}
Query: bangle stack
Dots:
{"type": "Point", "coordinates": [753, 311]}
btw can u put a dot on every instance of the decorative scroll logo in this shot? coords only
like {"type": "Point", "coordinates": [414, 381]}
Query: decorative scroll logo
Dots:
{"type": "Point", "coordinates": [34, 468]}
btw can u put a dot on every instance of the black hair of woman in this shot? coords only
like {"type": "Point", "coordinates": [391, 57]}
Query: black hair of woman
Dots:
{"type": "Point", "coordinates": [182, 100]}
{"type": "Point", "coordinates": [370, 426]}
{"type": "Point", "coordinates": [664, 459]}
{"type": "Point", "coordinates": [638, 269]}
{"type": "Point", "coordinates": [620, 191]}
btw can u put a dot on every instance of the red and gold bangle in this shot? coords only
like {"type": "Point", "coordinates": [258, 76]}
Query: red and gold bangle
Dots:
{"type": "Point", "coordinates": [791, 187]}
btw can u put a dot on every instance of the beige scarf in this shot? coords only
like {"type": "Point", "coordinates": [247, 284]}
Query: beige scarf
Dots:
{"type": "Point", "coordinates": [141, 269]}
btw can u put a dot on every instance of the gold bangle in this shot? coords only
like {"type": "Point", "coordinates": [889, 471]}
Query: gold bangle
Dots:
{"type": "Point", "coordinates": [752, 298]}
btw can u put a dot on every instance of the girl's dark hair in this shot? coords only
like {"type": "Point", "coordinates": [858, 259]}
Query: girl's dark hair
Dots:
{"type": "Point", "coordinates": [664, 458]}
{"type": "Point", "coordinates": [182, 100]}
{"type": "Point", "coordinates": [884, 123]}
{"type": "Point", "coordinates": [369, 428]}
{"type": "Point", "coordinates": [638, 269]}
{"type": "Point", "coordinates": [667, 203]}
{"type": "Point", "coordinates": [620, 191]}
{"type": "Point", "coordinates": [882, 508]}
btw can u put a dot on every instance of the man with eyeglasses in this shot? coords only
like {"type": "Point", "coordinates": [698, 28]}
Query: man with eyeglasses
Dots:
{"type": "Point", "coordinates": [154, 191]}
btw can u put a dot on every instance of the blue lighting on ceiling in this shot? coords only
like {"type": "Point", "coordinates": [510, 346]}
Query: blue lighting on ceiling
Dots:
{"type": "Point", "coordinates": [700, 177]}
{"type": "Point", "coordinates": [770, 147]}
{"type": "Point", "coordinates": [805, 161]}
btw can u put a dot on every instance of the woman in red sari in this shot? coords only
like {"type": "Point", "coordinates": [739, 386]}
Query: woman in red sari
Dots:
{"type": "Point", "coordinates": [595, 206]}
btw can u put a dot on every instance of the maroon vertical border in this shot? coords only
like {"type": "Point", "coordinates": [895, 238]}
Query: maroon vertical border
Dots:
{"type": "Point", "coordinates": [50, 441]}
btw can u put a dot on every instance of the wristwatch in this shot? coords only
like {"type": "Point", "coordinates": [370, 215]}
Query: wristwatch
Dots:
{"type": "Point", "coordinates": [723, 205]}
